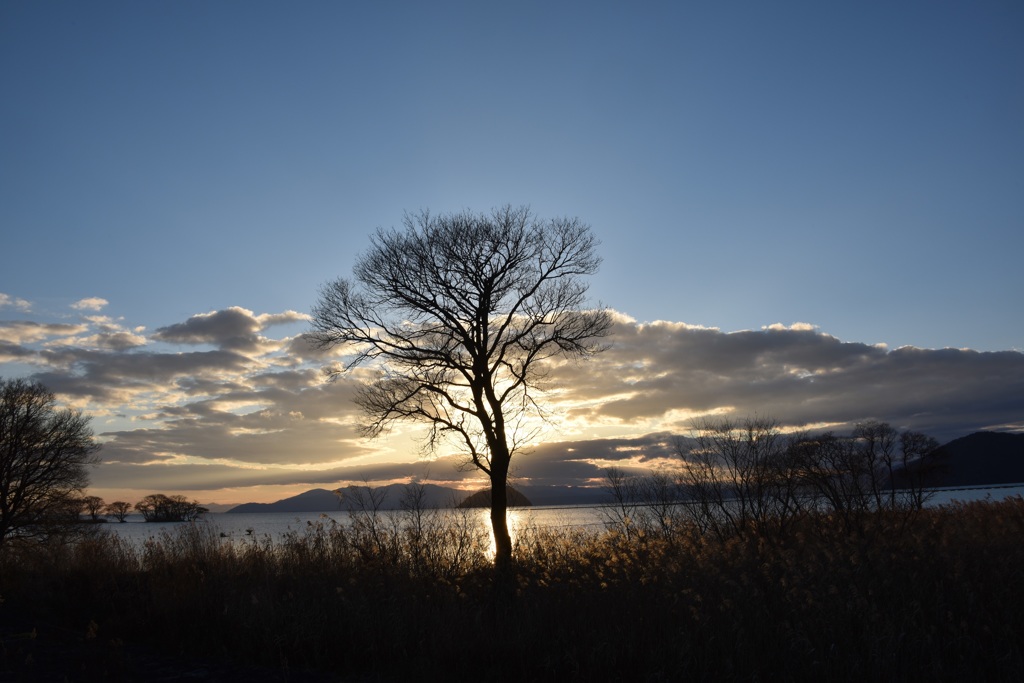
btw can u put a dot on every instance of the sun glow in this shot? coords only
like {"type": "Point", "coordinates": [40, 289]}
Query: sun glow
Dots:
{"type": "Point", "coordinates": [517, 519]}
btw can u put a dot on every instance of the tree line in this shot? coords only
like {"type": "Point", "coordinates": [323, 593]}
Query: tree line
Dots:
{"type": "Point", "coordinates": [735, 477]}
{"type": "Point", "coordinates": [156, 507]}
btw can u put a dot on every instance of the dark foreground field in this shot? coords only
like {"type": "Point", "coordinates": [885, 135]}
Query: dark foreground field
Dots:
{"type": "Point", "coordinates": [933, 595]}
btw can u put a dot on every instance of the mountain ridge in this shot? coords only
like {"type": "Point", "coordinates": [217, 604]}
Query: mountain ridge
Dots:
{"type": "Point", "coordinates": [355, 497]}
{"type": "Point", "coordinates": [979, 459]}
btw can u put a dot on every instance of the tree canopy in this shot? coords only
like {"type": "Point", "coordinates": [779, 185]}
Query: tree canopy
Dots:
{"type": "Point", "coordinates": [45, 452]}
{"type": "Point", "coordinates": [158, 507]}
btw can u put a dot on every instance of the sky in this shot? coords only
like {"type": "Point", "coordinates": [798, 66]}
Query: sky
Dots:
{"type": "Point", "coordinates": [809, 211]}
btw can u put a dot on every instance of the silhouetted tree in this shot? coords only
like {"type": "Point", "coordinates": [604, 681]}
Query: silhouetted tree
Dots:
{"type": "Point", "coordinates": [648, 504]}
{"type": "Point", "coordinates": [918, 467]}
{"type": "Point", "coordinates": [833, 476]}
{"type": "Point", "coordinates": [625, 499]}
{"type": "Point", "coordinates": [371, 534]}
{"type": "Point", "coordinates": [875, 468]}
{"type": "Point", "coordinates": [157, 507]}
{"type": "Point", "coordinates": [93, 506]}
{"type": "Point", "coordinates": [877, 443]}
{"type": "Point", "coordinates": [45, 452]}
{"type": "Point", "coordinates": [737, 475]}
{"type": "Point", "coordinates": [458, 314]}
{"type": "Point", "coordinates": [662, 491]}
{"type": "Point", "coordinates": [119, 509]}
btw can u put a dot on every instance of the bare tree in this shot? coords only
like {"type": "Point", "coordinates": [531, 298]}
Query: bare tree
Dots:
{"type": "Point", "coordinates": [458, 314]}
{"type": "Point", "coordinates": [372, 529]}
{"type": "Point", "coordinates": [737, 476]}
{"type": "Point", "coordinates": [877, 442]}
{"type": "Point", "coordinates": [662, 493]}
{"type": "Point", "coordinates": [45, 452]}
{"type": "Point", "coordinates": [119, 509]}
{"type": "Point", "coordinates": [874, 468]}
{"type": "Point", "coordinates": [93, 506]}
{"type": "Point", "coordinates": [918, 468]}
{"type": "Point", "coordinates": [650, 503]}
{"type": "Point", "coordinates": [833, 476]}
{"type": "Point", "coordinates": [624, 491]}
{"type": "Point", "coordinates": [158, 507]}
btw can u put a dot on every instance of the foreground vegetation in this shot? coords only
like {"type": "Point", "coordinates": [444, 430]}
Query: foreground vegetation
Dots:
{"type": "Point", "coordinates": [932, 596]}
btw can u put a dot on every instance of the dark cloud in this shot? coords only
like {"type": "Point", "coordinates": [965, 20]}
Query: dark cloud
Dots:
{"type": "Point", "coordinates": [14, 352]}
{"type": "Point", "coordinates": [214, 476]}
{"type": "Point", "coordinates": [231, 328]}
{"type": "Point", "coordinates": [107, 376]}
{"type": "Point", "coordinates": [302, 348]}
{"type": "Point", "coordinates": [315, 426]}
{"type": "Point", "coordinates": [588, 460]}
{"type": "Point", "coordinates": [209, 386]}
{"type": "Point", "coordinates": [800, 377]}
{"type": "Point", "coordinates": [291, 380]}
{"type": "Point", "coordinates": [119, 341]}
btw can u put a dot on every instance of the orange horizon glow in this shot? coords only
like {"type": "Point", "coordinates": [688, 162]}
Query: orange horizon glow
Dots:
{"type": "Point", "coordinates": [254, 494]}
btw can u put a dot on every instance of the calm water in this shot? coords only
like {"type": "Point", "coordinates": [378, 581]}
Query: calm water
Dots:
{"type": "Point", "coordinates": [277, 524]}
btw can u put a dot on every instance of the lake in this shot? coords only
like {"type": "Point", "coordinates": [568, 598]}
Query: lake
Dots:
{"type": "Point", "coordinates": [276, 525]}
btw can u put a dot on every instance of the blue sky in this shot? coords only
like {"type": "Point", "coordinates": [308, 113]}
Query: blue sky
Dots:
{"type": "Point", "coordinates": [855, 167]}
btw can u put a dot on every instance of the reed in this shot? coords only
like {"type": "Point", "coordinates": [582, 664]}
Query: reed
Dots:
{"type": "Point", "coordinates": [935, 596]}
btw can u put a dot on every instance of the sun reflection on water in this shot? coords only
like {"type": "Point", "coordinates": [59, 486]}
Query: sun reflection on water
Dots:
{"type": "Point", "coordinates": [517, 520]}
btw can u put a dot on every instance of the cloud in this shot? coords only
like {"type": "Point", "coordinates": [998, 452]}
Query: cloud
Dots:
{"type": "Point", "coordinates": [114, 341]}
{"type": "Point", "coordinates": [586, 460]}
{"type": "Point", "coordinates": [797, 375]}
{"type": "Point", "coordinates": [796, 327]}
{"type": "Point", "coordinates": [302, 348]}
{"type": "Point", "coordinates": [213, 476]}
{"type": "Point", "coordinates": [254, 410]}
{"type": "Point", "coordinates": [270, 319]}
{"type": "Point", "coordinates": [109, 334]}
{"type": "Point", "coordinates": [231, 328]}
{"type": "Point", "coordinates": [26, 332]}
{"type": "Point", "coordinates": [134, 379]}
{"type": "Point", "coordinates": [7, 301]}
{"type": "Point", "coordinates": [118, 341]}
{"type": "Point", "coordinates": [296, 419]}
{"type": "Point", "coordinates": [12, 353]}
{"type": "Point", "coordinates": [93, 303]}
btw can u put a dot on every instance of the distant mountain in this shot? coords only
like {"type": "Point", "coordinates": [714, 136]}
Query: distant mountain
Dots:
{"type": "Point", "coordinates": [981, 459]}
{"type": "Point", "coordinates": [217, 507]}
{"type": "Point", "coordinates": [393, 496]}
{"type": "Point", "coordinates": [316, 500]}
{"type": "Point", "coordinates": [566, 495]}
{"type": "Point", "coordinates": [482, 499]}
{"type": "Point", "coordinates": [355, 497]}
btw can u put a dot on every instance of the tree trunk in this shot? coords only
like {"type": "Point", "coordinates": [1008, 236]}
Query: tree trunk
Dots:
{"type": "Point", "coordinates": [499, 524]}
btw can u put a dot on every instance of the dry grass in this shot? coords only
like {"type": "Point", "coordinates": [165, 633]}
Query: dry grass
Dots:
{"type": "Point", "coordinates": [933, 597]}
